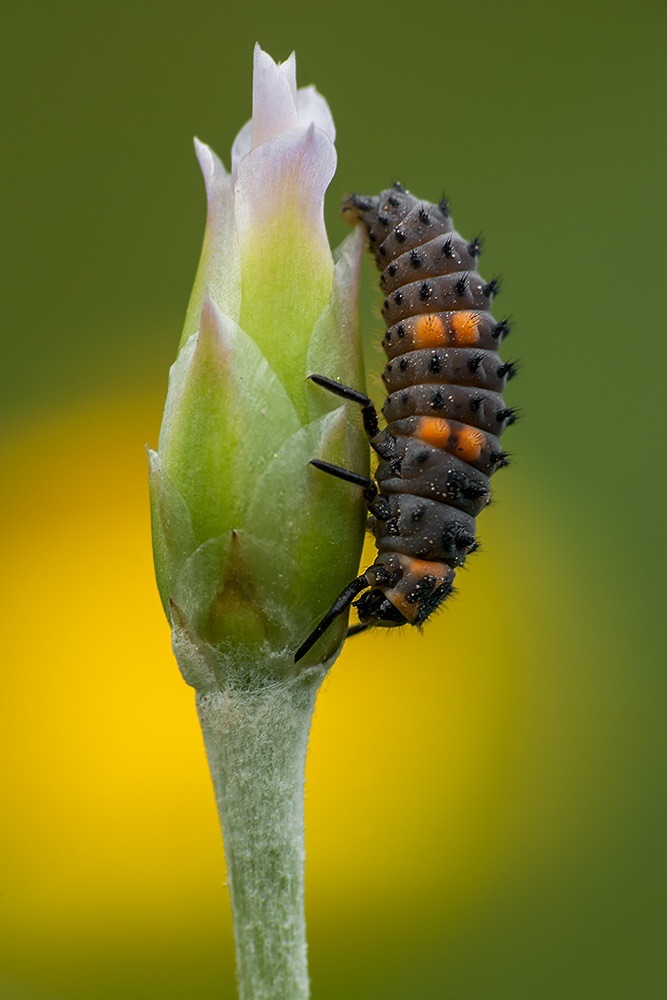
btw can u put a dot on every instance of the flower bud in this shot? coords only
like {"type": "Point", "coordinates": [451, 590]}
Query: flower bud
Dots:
{"type": "Point", "coordinates": [252, 543]}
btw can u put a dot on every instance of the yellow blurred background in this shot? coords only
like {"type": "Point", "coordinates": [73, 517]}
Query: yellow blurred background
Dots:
{"type": "Point", "coordinates": [485, 808]}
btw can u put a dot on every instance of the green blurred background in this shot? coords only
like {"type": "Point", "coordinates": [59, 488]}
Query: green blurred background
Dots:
{"type": "Point", "coordinates": [485, 805]}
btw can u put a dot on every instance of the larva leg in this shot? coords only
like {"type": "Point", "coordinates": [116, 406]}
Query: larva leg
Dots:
{"type": "Point", "coordinates": [368, 411]}
{"type": "Point", "coordinates": [341, 604]}
{"type": "Point", "coordinates": [369, 487]}
{"type": "Point", "coordinates": [376, 504]}
{"type": "Point", "coordinates": [381, 442]}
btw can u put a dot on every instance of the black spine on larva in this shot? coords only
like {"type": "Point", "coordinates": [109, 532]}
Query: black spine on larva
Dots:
{"type": "Point", "coordinates": [444, 407]}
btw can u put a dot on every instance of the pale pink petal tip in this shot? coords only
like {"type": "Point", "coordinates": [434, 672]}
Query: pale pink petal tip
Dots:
{"type": "Point", "coordinates": [312, 107]}
{"type": "Point", "coordinates": [211, 165]}
{"type": "Point", "coordinates": [279, 107]}
{"type": "Point", "coordinates": [241, 146]}
{"type": "Point", "coordinates": [273, 97]}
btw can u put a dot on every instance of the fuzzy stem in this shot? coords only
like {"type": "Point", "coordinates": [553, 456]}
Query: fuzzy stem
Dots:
{"type": "Point", "coordinates": [256, 744]}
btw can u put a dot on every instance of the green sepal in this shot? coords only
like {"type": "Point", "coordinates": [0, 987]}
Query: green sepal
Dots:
{"type": "Point", "coordinates": [173, 537]}
{"type": "Point", "coordinates": [226, 415]}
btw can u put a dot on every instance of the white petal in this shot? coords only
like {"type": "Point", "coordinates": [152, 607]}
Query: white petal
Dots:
{"type": "Point", "coordinates": [284, 179]}
{"type": "Point", "coordinates": [312, 107]}
{"type": "Point", "coordinates": [219, 268]}
{"type": "Point", "coordinates": [211, 165]}
{"type": "Point", "coordinates": [273, 97]}
{"type": "Point", "coordinates": [241, 145]}
{"type": "Point", "coordinates": [274, 104]}
{"type": "Point", "coordinates": [288, 70]}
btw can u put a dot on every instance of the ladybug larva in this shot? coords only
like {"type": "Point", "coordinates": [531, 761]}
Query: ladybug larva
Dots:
{"type": "Point", "coordinates": [444, 411]}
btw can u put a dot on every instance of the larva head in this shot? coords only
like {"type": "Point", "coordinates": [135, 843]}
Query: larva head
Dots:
{"type": "Point", "coordinates": [358, 208]}
{"type": "Point", "coordinates": [375, 608]}
{"type": "Point", "coordinates": [379, 214]}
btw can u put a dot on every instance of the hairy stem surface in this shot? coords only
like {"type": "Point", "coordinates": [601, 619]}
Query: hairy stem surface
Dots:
{"type": "Point", "coordinates": [256, 744]}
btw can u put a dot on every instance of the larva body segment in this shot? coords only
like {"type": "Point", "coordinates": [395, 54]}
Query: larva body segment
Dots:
{"type": "Point", "coordinates": [444, 410]}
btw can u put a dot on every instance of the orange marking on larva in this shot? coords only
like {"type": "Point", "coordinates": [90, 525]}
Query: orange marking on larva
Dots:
{"type": "Point", "coordinates": [421, 567]}
{"type": "Point", "coordinates": [465, 325]}
{"type": "Point", "coordinates": [408, 610]}
{"type": "Point", "coordinates": [434, 431]}
{"type": "Point", "coordinates": [470, 443]}
{"type": "Point", "coordinates": [429, 331]}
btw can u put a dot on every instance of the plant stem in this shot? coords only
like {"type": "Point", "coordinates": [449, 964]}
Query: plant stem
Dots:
{"type": "Point", "coordinates": [256, 742]}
